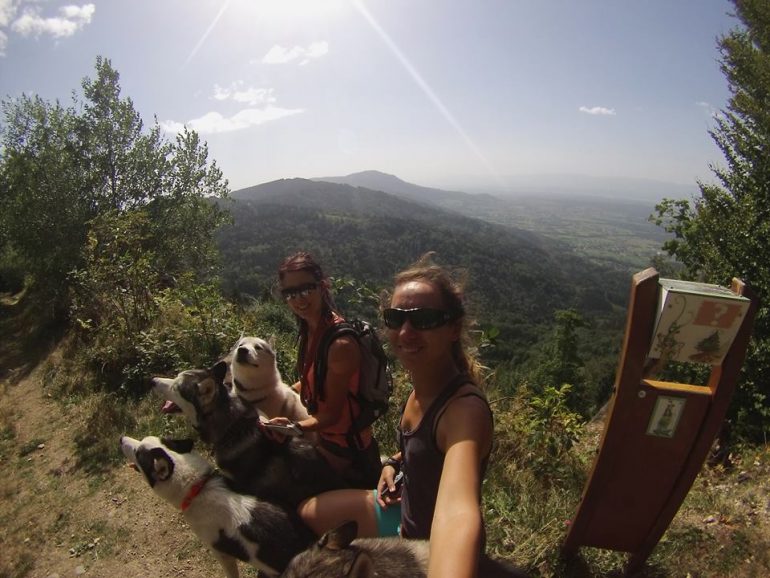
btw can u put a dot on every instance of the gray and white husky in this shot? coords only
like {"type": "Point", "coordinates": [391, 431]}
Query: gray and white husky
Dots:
{"type": "Point", "coordinates": [338, 554]}
{"type": "Point", "coordinates": [286, 473]}
{"type": "Point", "coordinates": [257, 381]}
{"type": "Point", "coordinates": [234, 526]}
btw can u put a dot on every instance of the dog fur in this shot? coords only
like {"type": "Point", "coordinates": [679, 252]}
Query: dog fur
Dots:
{"type": "Point", "coordinates": [234, 526]}
{"type": "Point", "coordinates": [257, 381]}
{"type": "Point", "coordinates": [286, 473]}
{"type": "Point", "coordinates": [339, 555]}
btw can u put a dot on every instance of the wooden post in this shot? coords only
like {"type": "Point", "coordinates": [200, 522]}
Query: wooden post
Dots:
{"type": "Point", "coordinates": [640, 477]}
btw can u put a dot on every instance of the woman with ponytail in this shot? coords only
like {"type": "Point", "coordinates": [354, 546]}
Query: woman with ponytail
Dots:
{"type": "Point", "coordinates": [445, 433]}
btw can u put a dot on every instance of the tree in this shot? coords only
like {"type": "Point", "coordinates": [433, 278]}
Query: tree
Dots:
{"type": "Point", "coordinates": [62, 168]}
{"type": "Point", "coordinates": [559, 363]}
{"type": "Point", "coordinates": [725, 232]}
{"type": "Point", "coordinates": [41, 208]}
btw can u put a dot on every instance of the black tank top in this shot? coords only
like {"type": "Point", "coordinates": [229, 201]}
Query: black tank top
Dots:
{"type": "Point", "coordinates": [423, 462]}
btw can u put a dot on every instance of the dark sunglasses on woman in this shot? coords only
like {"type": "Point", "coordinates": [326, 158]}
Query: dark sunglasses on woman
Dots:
{"type": "Point", "coordinates": [420, 318]}
{"type": "Point", "coordinates": [291, 293]}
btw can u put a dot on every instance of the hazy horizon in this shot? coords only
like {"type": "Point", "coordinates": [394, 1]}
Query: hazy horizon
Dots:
{"type": "Point", "coordinates": [479, 95]}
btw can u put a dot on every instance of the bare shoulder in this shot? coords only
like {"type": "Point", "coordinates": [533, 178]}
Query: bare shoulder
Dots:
{"type": "Point", "coordinates": [344, 345]}
{"type": "Point", "coordinates": [344, 351]}
{"type": "Point", "coordinates": [467, 410]}
{"type": "Point", "coordinates": [466, 417]}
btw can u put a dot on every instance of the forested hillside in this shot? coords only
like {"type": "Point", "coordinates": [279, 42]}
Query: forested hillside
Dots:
{"type": "Point", "coordinates": [517, 279]}
{"type": "Point", "coordinates": [613, 231]}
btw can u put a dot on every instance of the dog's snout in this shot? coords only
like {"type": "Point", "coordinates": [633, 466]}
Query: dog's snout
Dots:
{"type": "Point", "coordinates": [242, 354]}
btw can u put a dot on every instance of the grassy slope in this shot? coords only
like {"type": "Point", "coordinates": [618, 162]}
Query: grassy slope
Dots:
{"type": "Point", "coordinates": [67, 504]}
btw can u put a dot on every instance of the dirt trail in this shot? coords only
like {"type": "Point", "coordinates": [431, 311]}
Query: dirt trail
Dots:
{"type": "Point", "coordinates": [55, 519]}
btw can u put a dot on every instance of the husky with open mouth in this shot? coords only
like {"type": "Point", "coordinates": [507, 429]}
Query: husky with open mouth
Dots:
{"type": "Point", "coordinates": [287, 472]}
{"type": "Point", "coordinates": [232, 525]}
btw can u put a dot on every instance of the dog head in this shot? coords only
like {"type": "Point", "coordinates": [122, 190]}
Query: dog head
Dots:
{"type": "Point", "coordinates": [169, 466]}
{"type": "Point", "coordinates": [333, 557]}
{"type": "Point", "coordinates": [194, 392]}
{"type": "Point", "coordinates": [254, 364]}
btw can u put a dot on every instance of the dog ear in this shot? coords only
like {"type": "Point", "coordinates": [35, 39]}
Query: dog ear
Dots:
{"type": "Point", "coordinates": [271, 342]}
{"type": "Point", "coordinates": [208, 388]}
{"type": "Point", "coordinates": [362, 567]}
{"type": "Point", "coordinates": [341, 536]}
{"type": "Point", "coordinates": [179, 446]}
{"type": "Point", "coordinates": [219, 371]}
{"type": "Point", "coordinates": [162, 464]}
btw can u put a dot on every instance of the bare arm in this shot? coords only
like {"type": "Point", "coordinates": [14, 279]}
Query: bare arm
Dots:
{"type": "Point", "coordinates": [465, 435]}
{"type": "Point", "coordinates": [343, 362]}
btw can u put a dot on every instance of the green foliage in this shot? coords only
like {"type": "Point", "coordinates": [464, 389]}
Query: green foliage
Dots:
{"type": "Point", "coordinates": [725, 232]}
{"type": "Point", "coordinates": [535, 474]}
{"type": "Point", "coordinates": [11, 270]}
{"type": "Point", "coordinates": [551, 429]}
{"type": "Point", "coordinates": [515, 282]}
{"type": "Point", "coordinates": [42, 210]}
{"type": "Point", "coordinates": [66, 170]}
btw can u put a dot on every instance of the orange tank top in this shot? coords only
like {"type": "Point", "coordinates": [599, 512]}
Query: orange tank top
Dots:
{"type": "Point", "coordinates": [337, 433]}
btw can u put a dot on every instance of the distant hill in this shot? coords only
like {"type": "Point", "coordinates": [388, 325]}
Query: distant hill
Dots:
{"type": "Point", "coordinates": [516, 278]}
{"type": "Point", "coordinates": [380, 181]}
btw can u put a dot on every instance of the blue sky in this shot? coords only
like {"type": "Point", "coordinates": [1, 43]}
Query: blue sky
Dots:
{"type": "Point", "coordinates": [452, 93]}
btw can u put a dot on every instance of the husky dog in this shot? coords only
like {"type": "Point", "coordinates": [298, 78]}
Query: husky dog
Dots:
{"type": "Point", "coordinates": [287, 472]}
{"type": "Point", "coordinates": [234, 526]}
{"type": "Point", "coordinates": [339, 555]}
{"type": "Point", "coordinates": [257, 382]}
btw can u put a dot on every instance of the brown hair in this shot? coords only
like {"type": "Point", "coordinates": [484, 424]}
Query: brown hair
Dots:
{"type": "Point", "coordinates": [450, 285]}
{"type": "Point", "coordinates": [303, 261]}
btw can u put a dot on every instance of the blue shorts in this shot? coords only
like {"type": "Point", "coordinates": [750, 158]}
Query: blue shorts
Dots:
{"type": "Point", "coordinates": [389, 520]}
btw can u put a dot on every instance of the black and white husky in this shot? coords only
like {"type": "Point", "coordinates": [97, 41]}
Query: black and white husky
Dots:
{"type": "Point", "coordinates": [257, 381]}
{"type": "Point", "coordinates": [286, 473]}
{"type": "Point", "coordinates": [338, 554]}
{"type": "Point", "coordinates": [234, 526]}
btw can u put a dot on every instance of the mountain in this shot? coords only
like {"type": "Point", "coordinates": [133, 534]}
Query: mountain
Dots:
{"type": "Point", "coordinates": [516, 278]}
{"type": "Point", "coordinates": [379, 181]}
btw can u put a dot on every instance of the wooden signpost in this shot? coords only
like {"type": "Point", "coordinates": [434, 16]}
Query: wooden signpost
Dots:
{"type": "Point", "coordinates": [658, 434]}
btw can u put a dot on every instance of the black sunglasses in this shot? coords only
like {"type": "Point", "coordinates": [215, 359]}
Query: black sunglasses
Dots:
{"type": "Point", "coordinates": [291, 293]}
{"type": "Point", "coordinates": [421, 318]}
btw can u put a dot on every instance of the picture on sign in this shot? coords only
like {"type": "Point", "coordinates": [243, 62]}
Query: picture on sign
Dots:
{"type": "Point", "coordinates": [665, 416]}
{"type": "Point", "coordinates": [696, 322]}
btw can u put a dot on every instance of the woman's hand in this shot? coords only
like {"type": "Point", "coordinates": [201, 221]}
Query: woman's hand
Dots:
{"type": "Point", "coordinates": [274, 435]}
{"type": "Point", "coordinates": [388, 492]}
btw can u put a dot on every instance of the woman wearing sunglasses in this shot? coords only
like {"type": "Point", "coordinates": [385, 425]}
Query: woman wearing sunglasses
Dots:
{"type": "Point", "coordinates": [445, 434]}
{"type": "Point", "coordinates": [306, 290]}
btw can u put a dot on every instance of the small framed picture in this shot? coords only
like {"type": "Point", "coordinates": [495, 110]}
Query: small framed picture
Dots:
{"type": "Point", "coordinates": [665, 416]}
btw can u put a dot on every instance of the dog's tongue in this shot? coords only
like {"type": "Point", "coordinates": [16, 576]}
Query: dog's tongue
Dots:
{"type": "Point", "coordinates": [170, 407]}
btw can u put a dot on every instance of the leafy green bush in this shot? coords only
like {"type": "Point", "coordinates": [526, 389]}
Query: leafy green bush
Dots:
{"type": "Point", "coordinates": [535, 474]}
{"type": "Point", "coordinates": [11, 270]}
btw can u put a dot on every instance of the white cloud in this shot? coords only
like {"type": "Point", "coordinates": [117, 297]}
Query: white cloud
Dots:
{"type": "Point", "coordinates": [72, 18]}
{"type": "Point", "coordinates": [598, 110]}
{"type": "Point", "coordinates": [214, 122]}
{"type": "Point", "coordinates": [709, 109]}
{"type": "Point", "coordinates": [281, 55]}
{"type": "Point", "coordinates": [7, 11]}
{"type": "Point", "coordinates": [246, 95]}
